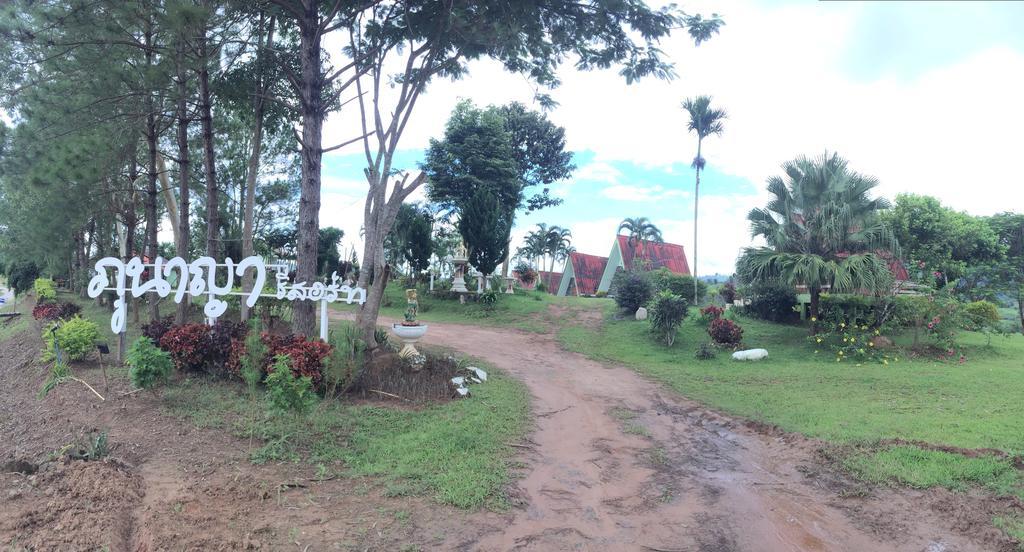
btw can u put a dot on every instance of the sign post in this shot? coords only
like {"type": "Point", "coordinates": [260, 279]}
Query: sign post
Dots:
{"type": "Point", "coordinates": [198, 278]}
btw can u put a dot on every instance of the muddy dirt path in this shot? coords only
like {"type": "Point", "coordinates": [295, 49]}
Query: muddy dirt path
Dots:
{"type": "Point", "coordinates": [619, 463]}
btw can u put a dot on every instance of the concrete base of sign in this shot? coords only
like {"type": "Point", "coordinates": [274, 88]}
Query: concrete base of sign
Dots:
{"type": "Point", "coordinates": [459, 285]}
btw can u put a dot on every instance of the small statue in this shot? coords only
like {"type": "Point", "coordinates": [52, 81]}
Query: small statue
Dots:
{"type": "Point", "coordinates": [412, 310]}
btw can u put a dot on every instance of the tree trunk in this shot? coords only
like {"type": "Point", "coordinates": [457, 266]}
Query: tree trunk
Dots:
{"type": "Point", "coordinates": [150, 245]}
{"type": "Point", "coordinates": [815, 302]}
{"type": "Point", "coordinates": [210, 168]}
{"type": "Point", "coordinates": [696, 199]}
{"type": "Point", "coordinates": [181, 247]}
{"type": "Point", "coordinates": [167, 191]}
{"type": "Point", "coordinates": [252, 171]}
{"type": "Point", "coordinates": [551, 276]}
{"type": "Point", "coordinates": [311, 82]}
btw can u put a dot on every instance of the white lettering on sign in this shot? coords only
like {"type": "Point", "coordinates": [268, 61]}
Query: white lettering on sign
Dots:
{"type": "Point", "coordinates": [199, 278]}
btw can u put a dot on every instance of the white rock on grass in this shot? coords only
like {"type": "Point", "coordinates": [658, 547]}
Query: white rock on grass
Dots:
{"type": "Point", "coordinates": [641, 313]}
{"type": "Point", "coordinates": [459, 381]}
{"type": "Point", "coordinates": [480, 374]}
{"type": "Point", "coordinates": [750, 354]}
{"type": "Point", "coordinates": [462, 391]}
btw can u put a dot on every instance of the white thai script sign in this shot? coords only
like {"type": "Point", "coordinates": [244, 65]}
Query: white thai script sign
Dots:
{"type": "Point", "coordinates": [199, 278]}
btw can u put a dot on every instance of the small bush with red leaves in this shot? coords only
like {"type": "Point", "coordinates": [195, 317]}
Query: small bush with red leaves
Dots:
{"type": "Point", "coordinates": [222, 334]}
{"type": "Point", "coordinates": [710, 313]}
{"type": "Point", "coordinates": [306, 357]}
{"type": "Point", "coordinates": [725, 332]}
{"type": "Point", "coordinates": [189, 346]}
{"type": "Point", "coordinates": [48, 312]}
{"type": "Point", "coordinates": [156, 329]}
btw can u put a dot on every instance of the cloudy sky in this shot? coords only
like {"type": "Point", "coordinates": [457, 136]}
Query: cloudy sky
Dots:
{"type": "Point", "coordinates": [925, 96]}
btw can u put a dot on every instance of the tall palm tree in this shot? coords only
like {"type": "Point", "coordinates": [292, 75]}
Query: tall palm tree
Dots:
{"type": "Point", "coordinates": [822, 229]}
{"type": "Point", "coordinates": [558, 240]}
{"type": "Point", "coordinates": [640, 230]}
{"type": "Point", "coordinates": [705, 121]}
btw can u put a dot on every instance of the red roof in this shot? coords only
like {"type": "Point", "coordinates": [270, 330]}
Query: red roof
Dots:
{"type": "Point", "coordinates": [654, 255]}
{"type": "Point", "coordinates": [555, 280]}
{"type": "Point", "coordinates": [587, 271]}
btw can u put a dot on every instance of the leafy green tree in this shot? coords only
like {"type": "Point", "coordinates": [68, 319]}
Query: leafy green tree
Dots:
{"type": "Point", "coordinates": [640, 230]}
{"type": "Point", "coordinates": [946, 241]}
{"type": "Point", "coordinates": [1008, 274]}
{"type": "Point", "coordinates": [328, 256]}
{"type": "Point", "coordinates": [705, 121]}
{"type": "Point", "coordinates": [484, 223]}
{"type": "Point", "coordinates": [822, 228]}
{"type": "Point", "coordinates": [476, 153]}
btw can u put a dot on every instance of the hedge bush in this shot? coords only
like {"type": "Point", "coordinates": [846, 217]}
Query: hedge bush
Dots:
{"type": "Point", "coordinates": [664, 279]}
{"type": "Point", "coordinates": [979, 315]}
{"type": "Point", "coordinates": [772, 301]}
{"type": "Point", "coordinates": [46, 290]}
{"type": "Point", "coordinates": [632, 291]}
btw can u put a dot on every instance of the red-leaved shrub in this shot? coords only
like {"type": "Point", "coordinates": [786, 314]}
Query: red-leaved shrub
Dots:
{"type": "Point", "coordinates": [725, 332]}
{"type": "Point", "coordinates": [189, 346]}
{"type": "Point", "coordinates": [156, 329]}
{"type": "Point", "coordinates": [710, 313]}
{"type": "Point", "coordinates": [61, 310]}
{"type": "Point", "coordinates": [307, 356]}
{"type": "Point", "coordinates": [222, 334]}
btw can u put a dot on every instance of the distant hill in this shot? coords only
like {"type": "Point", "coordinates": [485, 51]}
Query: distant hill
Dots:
{"type": "Point", "coordinates": [715, 278]}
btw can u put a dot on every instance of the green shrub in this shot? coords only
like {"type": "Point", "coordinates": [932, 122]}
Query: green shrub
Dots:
{"type": "Point", "coordinates": [855, 310]}
{"type": "Point", "coordinates": [667, 313]}
{"type": "Point", "coordinates": [541, 286]}
{"type": "Point", "coordinates": [76, 338]}
{"type": "Point", "coordinates": [979, 315]}
{"type": "Point", "coordinates": [148, 365]}
{"type": "Point", "coordinates": [706, 351]}
{"type": "Point", "coordinates": [772, 301]}
{"type": "Point", "coordinates": [664, 279]}
{"type": "Point", "coordinates": [850, 342]}
{"type": "Point", "coordinates": [346, 360]}
{"type": "Point", "coordinates": [46, 290]}
{"type": "Point", "coordinates": [632, 291]}
{"type": "Point", "coordinates": [601, 294]}
{"type": "Point", "coordinates": [489, 299]}
{"type": "Point", "coordinates": [286, 392]}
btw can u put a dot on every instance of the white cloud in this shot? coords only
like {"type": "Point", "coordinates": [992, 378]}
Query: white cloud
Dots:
{"type": "Point", "coordinates": [642, 193]}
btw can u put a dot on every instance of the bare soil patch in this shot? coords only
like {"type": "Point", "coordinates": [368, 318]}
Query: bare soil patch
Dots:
{"type": "Point", "coordinates": [169, 486]}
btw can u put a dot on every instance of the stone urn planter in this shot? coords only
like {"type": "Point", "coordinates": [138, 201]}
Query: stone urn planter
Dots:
{"type": "Point", "coordinates": [409, 336]}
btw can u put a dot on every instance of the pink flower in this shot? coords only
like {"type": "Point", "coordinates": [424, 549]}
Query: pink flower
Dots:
{"type": "Point", "coordinates": [937, 274]}
{"type": "Point", "coordinates": [920, 264]}
{"type": "Point", "coordinates": [931, 325]}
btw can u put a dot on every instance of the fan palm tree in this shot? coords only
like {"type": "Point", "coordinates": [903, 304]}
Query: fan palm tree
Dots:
{"type": "Point", "coordinates": [640, 230]}
{"type": "Point", "coordinates": [822, 229]}
{"type": "Point", "coordinates": [705, 121]}
{"type": "Point", "coordinates": [557, 240]}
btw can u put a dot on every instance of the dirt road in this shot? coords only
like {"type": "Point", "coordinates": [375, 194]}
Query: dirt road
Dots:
{"type": "Point", "coordinates": [619, 463]}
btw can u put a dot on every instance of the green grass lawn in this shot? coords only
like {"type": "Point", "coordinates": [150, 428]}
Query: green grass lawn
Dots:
{"type": "Point", "coordinates": [526, 310]}
{"type": "Point", "coordinates": [973, 405]}
{"type": "Point", "coordinates": [456, 452]}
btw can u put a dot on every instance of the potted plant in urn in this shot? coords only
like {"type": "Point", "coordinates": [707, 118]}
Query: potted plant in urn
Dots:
{"type": "Point", "coordinates": [410, 331]}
